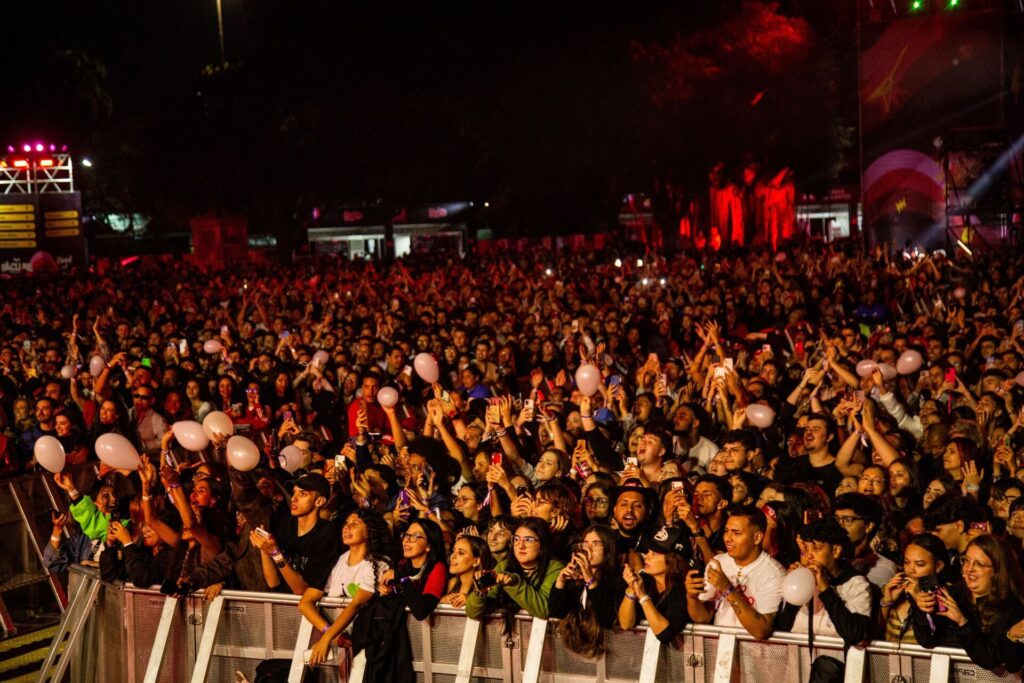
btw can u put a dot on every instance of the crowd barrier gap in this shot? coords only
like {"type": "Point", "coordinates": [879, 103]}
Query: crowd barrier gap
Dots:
{"type": "Point", "coordinates": [131, 634]}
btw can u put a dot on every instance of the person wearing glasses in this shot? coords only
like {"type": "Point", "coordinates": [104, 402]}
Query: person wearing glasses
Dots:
{"type": "Point", "coordinates": [860, 515]}
{"type": "Point", "coordinates": [523, 580]}
{"type": "Point", "coordinates": [597, 502]}
{"type": "Point", "coordinates": [150, 427]}
{"type": "Point", "coordinates": [421, 576]}
{"type": "Point", "coordinates": [984, 624]}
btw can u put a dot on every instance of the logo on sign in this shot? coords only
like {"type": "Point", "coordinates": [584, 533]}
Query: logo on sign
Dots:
{"type": "Point", "coordinates": [352, 216]}
{"type": "Point", "coordinates": [439, 212]}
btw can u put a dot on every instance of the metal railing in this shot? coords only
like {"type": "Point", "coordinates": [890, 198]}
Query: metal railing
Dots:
{"type": "Point", "coordinates": [139, 635]}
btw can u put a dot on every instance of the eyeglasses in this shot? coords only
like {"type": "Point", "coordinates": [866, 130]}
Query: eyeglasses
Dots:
{"type": "Point", "coordinates": [528, 540]}
{"type": "Point", "coordinates": [144, 397]}
{"type": "Point", "coordinates": [597, 502]}
{"type": "Point", "coordinates": [974, 564]}
{"type": "Point", "coordinates": [1008, 499]}
{"type": "Point", "coordinates": [413, 537]}
{"type": "Point", "coordinates": [848, 520]}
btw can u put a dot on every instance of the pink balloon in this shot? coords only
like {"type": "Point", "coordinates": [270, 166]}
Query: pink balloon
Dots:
{"type": "Point", "coordinates": [760, 415]}
{"type": "Point", "coordinates": [387, 397]}
{"type": "Point", "coordinates": [1020, 378]}
{"type": "Point", "coordinates": [97, 365]}
{"type": "Point", "coordinates": [888, 371]}
{"type": "Point", "coordinates": [117, 452]}
{"type": "Point", "coordinates": [909, 362]}
{"type": "Point", "coordinates": [588, 379]}
{"type": "Point", "coordinates": [212, 346]}
{"type": "Point", "coordinates": [49, 453]}
{"type": "Point", "coordinates": [959, 292]}
{"type": "Point", "coordinates": [191, 435]}
{"type": "Point", "coordinates": [291, 459]}
{"type": "Point", "coordinates": [67, 372]}
{"type": "Point", "coordinates": [321, 357]}
{"type": "Point", "coordinates": [218, 423]}
{"type": "Point", "coordinates": [242, 454]}
{"type": "Point", "coordinates": [798, 586]}
{"type": "Point", "coordinates": [426, 368]}
{"type": "Point", "coordinates": [866, 367]}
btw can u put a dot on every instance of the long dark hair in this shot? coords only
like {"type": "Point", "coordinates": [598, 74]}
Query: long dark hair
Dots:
{"type": "Point", "coordinates": [581, 631]}
{"type": "Point", "coordinates": [436, 551]}
{"type": "Point", "coordinates": [539, 528]}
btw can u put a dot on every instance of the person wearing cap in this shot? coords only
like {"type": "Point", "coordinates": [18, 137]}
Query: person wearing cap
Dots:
{"type": "Point", "coordinates": [741, 587]}
{"type": "Point", "coordinates": [657, 594]}
{"type": "Point", "coordinates": [633, 506]}
{"type": "Point", "coordinates": [300, 548]}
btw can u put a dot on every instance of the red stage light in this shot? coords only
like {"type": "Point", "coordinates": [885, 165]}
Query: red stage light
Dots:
{"type": "Point", "coordinates": [46, 163]}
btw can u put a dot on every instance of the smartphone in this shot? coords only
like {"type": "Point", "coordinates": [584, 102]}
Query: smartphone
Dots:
{"type": "Point", "coordinates": [522, 491]}
{"type": "Point", "coordinates": [262, 532]}
{"type": "Point", "coordinates": [632, 461]}
{"type": "Point", "coordinates": [575, 326]}
{"type": "Point", "coordinates": [171, 460]}
{"type": "Point", "coordinates": [486, 580]}
{"type": "Point", "coordinates": [663, 378]}
{"type": "Point", "coordinates": [720, 372]}
{"type": "Point", "coordinates": [729, 364]}
{"type": "Point", "coordinates": [798, 348]}
{"type": "Point", "coordinates": [340, 463]}
{"type": "Point", "coordinates": [496, 458]}
{"type": "Point", "coordinates": [951, 375]}
{"type": "Point", "coordinates": [529, 405]}
{"type": "Point", "coordinates": [286, 414]}
{"type": "Point", "coordinates": [27, 344]}
{"type": "Point", "coordinates": [766, 348]}
{"type": "Point", "coordinates": [223, 329]}
{"type": "Point", "coordinates": [677, 485]}
{"type": "Point", "coordinates": [403, 497]}
{"type": "Point", "coordinates": [182, 345]}
{"type": "Point", "coordinates": [328, 658]}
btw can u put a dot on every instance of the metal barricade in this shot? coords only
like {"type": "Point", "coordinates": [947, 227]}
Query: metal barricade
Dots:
{"type": "Point", "coordinates": [200, 641]}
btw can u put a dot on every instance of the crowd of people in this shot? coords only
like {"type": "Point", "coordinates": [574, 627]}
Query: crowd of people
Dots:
{"type": "Point", "coordinates": [749, 419]}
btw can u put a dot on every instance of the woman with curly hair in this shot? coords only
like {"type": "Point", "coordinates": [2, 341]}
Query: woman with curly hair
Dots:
{"type": "Point", "coordinates": [357, 575]}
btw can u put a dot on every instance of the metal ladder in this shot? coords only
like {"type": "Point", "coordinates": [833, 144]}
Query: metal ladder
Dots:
{"type": "Point", "coordinates": [71, 626]}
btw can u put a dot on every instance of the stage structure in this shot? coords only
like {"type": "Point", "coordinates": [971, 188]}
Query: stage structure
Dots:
{"type": "Point", "coordinates": [40, 210]}
{"type": "Point", "coordinates": [939, 107]}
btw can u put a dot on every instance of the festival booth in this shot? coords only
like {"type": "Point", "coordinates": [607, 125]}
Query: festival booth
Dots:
{"type": "Point", "coordinates": [362, 232]}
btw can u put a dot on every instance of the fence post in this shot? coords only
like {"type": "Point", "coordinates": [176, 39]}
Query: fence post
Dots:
{"type": "Point", "coordinates": [163, 631]}
{"type": "Point", "coordinates": [467, 655]}
{"type": "Point", "coordinates": [856, 659]}
{"type": "Point", "coordinates": [301, 645]}
{"type": "Point", "coordinates": [531, 671]}
{"type": "Point", "coordinates": [206, 642]}
{"type": "Point", "coordinates": [726, 658]}
{"type": "Point", "coordinates": [649, 662]}
{"type": "Point", "coordinates": [939, 672]}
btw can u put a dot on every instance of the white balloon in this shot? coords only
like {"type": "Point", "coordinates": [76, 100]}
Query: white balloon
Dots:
{"type": "Point", "coordinates": [387, 397]}
{"type": "Point", "coordinates": [212, 346]}
{"type": "Point", "coordinates": [191, 435]}
{"type": "Point", "coordinates": [292, 459]}
{"type": "Point", "coordinates": [888, 371]}
{"type": "Point", "coordinates": [218, 422]}
{"type": "Point", "coordinates": [798, 586]}
{"type": "Point", "coordinates": [242, 454]}
{"type": "Point", "coordinates": [320, 358]}
{"type": "Point", "coordinates": [866, 367]}
{"type": "Point", "coordinates": [67, 372]}
{"type": "Point", "coordinates": [49, 453]}
{"type": "Point", "coordinates": [588, 379]}
{"type": "Point", "coordinates": [117, 452]}
{"type": "Point", "coordinates": [426, 367]}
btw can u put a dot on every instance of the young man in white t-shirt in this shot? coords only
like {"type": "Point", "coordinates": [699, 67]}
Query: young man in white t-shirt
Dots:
{"type": "Point", "coordinates": [741, 587]}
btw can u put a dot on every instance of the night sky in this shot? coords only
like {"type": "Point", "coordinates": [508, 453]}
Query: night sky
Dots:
{"type": "Point", "coordinates": [543, 109]}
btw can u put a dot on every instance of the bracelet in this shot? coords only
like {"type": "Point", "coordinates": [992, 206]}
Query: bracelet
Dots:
{"type": "Point", "coordinates": [55, 539]}
{"type": "Point", "coordinates": [501, 434]}
{"type": "Point", "coordinates": [590, 583]}
{"type": "Point", "coordinates": [886, 604]}
{"type": "Point", "coordinates": [74, 494]}
{"type": "Point", "coordinates": [973, 488]}
{"type": "Point", "coordinates": [645, 599]}
{"type": "Point", "coordinates": [631, 597]}
{"type": "Point", "coordinates": [175, 485]}
{"type": "Point", "coordinates": [586, 417]}
{"type": "Point", "coordinates": [145, 497]}
{"type": "Point", "coordinates": [324, 629]}
{"type": "Point", "coordinates": [726, 594]}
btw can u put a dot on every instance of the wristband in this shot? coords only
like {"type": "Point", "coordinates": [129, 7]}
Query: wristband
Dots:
{"type": "Point", "coordinates": [973, 488]}
{"type": "Point", "coordinates": [726, 594]}
{"type": "Point", "coordinates": [645, 599]}
{"type": "Point", "coordinates": [632, 598]}
{"type": "Point", "coordinates": [55, 539]}
{"type": "Point", "coordinates": [886, 604]}
{"type": "Point", "coordinates": [145, 497]}
{"type": "Point", "coordinates": [586, 417]}
{"type": "Point", "coordinates": [590, 583]}
{"type": "Point", "coordinates": [323, 631]}
{"type": "Point", "coordinates": [501, 434]}
{"type": "Point", "coordinates": [74, 494]}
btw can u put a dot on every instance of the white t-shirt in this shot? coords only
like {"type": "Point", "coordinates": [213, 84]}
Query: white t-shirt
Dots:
{"type": "Point", "coordinates": [761, 582]}
{"type": "Point", "coordinates": [855, 594]}
{"type": "Point", "coordinates": [345, 581]}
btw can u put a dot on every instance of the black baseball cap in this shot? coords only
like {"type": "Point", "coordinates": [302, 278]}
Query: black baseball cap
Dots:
{"type": "Point", "coordinates": [313, 482]}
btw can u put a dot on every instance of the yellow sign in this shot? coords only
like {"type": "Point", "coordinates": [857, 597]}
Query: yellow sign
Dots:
{"type": "Point", "coordinates": [8, 208]}
{"type": "Point", "coordinates": [7, 217]}
{"type": "Point", "coordinates": [61, 214]}
{"type": "Point", "coordinates": [67, 232]}
{"type": "Point", "coordinates": [29, 235]}
{"type": "Point", "coordinates": [17, 226]}
{"type": "Point", "coordinates": [15, 244]}
{"type": "Point", "coordinates": [62, 224]}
